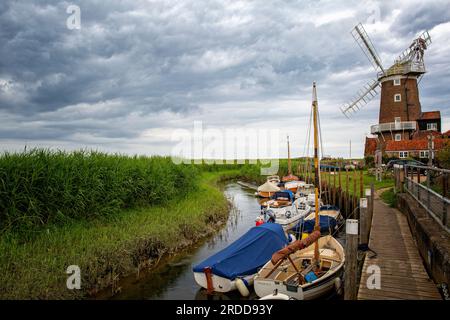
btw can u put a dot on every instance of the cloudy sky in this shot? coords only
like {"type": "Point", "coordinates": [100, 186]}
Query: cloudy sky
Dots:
{"type": "Point", "coordinates": [137, 71]}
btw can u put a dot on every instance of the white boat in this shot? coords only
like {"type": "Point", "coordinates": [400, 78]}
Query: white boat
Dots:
{"type": "Point", "coordinates": [310, 199]}
{"type": "Point", "coordinates": [297, 279]}
{"type": "Point", "coordinates": [284, 210]}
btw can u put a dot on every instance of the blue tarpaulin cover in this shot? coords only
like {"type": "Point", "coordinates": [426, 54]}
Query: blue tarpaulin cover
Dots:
{"type": "Point", "coordinates": [326, 223]}
{"type": "Point", "coordinates": [248, 253]}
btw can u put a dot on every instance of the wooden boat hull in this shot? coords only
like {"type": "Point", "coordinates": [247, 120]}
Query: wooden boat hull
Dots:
{"type": "Point", "coordinates": [293, 185]}
{"type": "Point", "coordinates": [265, 194]}
{"type": "Point", "coordinates": [279, 281]}
{"type": "Point", "coordinates": [267, 288]}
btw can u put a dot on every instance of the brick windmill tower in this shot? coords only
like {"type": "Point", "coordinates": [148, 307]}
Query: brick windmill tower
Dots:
{"type": "Point", "coordinates": [400, 117]}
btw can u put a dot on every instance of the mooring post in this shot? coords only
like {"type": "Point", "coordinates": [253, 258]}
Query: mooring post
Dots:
{"type": "Point", "coordinates": [347, 195]}
{"type": "Point", "coordinates": [361, 184]}
{"type": "Point", "coordinates": [371, 202]}
{"type": "Point", "coordinates": [355, 189]}
{"type": "Point", "coordinates": [351, 252]}
{"type": "Point", "coordinates": [401, 178]}
{"type": "Point", "coordinates": [334, 186]}
{"type": "Point", "coordinates": [444, 193]}
{"type": "Point", "coordinates": [364, 221]}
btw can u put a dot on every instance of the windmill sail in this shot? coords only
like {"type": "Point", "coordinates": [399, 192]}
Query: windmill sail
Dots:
{"type": "Point", "coordinates": [363, 97]}
{"type": "Point", "coordinates": [361, 37]}
{"type": "Point", "coordinates": [416, 49]}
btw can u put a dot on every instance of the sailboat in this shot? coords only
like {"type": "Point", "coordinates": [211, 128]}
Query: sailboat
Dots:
{"type": "Point", "coordinates": [291, 182]}
{"type": "Point", "coordinates": [308, 268]}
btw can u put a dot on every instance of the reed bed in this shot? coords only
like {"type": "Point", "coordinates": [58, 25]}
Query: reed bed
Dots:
{"type": "Point", "coordinates": [42, 187]}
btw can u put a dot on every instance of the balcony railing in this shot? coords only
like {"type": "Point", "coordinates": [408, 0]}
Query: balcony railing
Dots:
{"type": "Point", "coordinates": [393, 126]}
{"type": "Point", "coordinates": [399, 69]}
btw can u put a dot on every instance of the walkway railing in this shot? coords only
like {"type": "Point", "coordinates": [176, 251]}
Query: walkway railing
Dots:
{"type": "Point", "coordinates": [429, 187]}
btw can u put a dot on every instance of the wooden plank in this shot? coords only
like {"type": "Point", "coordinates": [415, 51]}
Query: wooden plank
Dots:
{"type": "Point", "coordinates": [403, 275]}
{"type": "Point", "coordinates": [402, 294]}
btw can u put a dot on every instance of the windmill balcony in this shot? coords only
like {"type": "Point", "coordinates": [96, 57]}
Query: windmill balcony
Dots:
{"type": "Point", "coordinates": [393, 126]}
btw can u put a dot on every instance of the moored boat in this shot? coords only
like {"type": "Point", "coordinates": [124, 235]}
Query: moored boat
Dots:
{"type": "Point", "coordinates": [239, 262]}
{"type": "Point", "coordinates": [269, 188]}
{"type": "Point", "coordinates": [329, 217]}
{"type": "Point", "coordinates": [284, 210]}
{"type": "Point", "coordinates": [295, 273]}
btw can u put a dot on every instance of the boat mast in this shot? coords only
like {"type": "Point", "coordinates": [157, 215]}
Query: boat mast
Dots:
{"type": "Point", "coordinates": [316, 172]}
{"type": "Point", "coordinates": [289, 158]}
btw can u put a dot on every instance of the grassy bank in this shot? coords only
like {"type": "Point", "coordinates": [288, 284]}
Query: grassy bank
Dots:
{"type": "Point", "coordinates": [108, 247]}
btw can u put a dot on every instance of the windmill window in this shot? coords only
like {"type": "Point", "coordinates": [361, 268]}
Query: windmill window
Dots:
{"type": "Point", "coordinates": [432, 126]}
{"type": "Point", "coordinates": [403, 154]}
{"type": "Point", "coordinates": [398, 97]}
{"type": "Point", "coordinates": [397, 82]}
{"type": "Point", "coordinates": [398, 137]}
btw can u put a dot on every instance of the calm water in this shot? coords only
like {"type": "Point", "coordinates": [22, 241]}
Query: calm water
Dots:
{"type": "Point", "coordinates": [173, 278]}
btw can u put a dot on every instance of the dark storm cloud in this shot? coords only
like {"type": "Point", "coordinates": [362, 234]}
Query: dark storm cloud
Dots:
{"type": "Point", "coordinates": [142, 65]}
{"type": "Point", "coordinates": [417, 17]}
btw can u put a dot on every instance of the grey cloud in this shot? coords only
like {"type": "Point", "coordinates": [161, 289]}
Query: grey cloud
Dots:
{"type": "Point", "coordinates": [137, 65]}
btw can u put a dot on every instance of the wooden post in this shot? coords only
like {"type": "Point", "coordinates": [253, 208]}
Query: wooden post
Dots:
{"type": "Point", "coordinates": [361, 184]}
{"type": "Point", "coordinates": [364, 221]}
{"type": "Point", "coordinates": [355, 189]}
{"type": "Point", "coordinates": [428, 186]}
{"type": "Point", "coordinates": [347, 183]}
{"type": "Point", "coordinates": [329, 185]}
{"type": "Point", "coordinates": [371, 201]}
{"type": "Point", "coordinates": [444, 193]}
{"type": "Point", "coordinates": [351, 252]}
{"type": "Point", "coordinates": [341, 204]}
{"type": "Point", "coordinates": [418, 176]}
{"type": "Point", "coordinates": [334, 186]}
{"type": "Point", "coordinates": [444, 184]}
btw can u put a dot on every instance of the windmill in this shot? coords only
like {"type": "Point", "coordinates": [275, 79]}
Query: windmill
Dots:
{"type": "Point", "coordinates": [409, 65]}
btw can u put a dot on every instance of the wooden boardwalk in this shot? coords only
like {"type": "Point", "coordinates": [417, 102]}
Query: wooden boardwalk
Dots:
{"type": "Point", "coordinates": [403, 275]}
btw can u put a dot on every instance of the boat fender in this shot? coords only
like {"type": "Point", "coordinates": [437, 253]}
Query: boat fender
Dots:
{"type": "Point", "coordinates": [292, 238]}
{"type": "Point", "coordinates": [242, 288]}
{"type": "Point", "coordinates": [338, 285]}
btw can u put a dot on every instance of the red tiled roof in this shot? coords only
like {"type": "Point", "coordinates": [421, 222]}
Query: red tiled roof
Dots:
{"type": "Point", "coordinates": [430, 115]}
{"type": "Point", "coordinates": [370, 147]}
{"type": "Point", "coordinates": [446, 133]}
{"type": "Point", "coordinates": [413, 145]}
{"type": "Point", "coordinates": [419, 135]}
